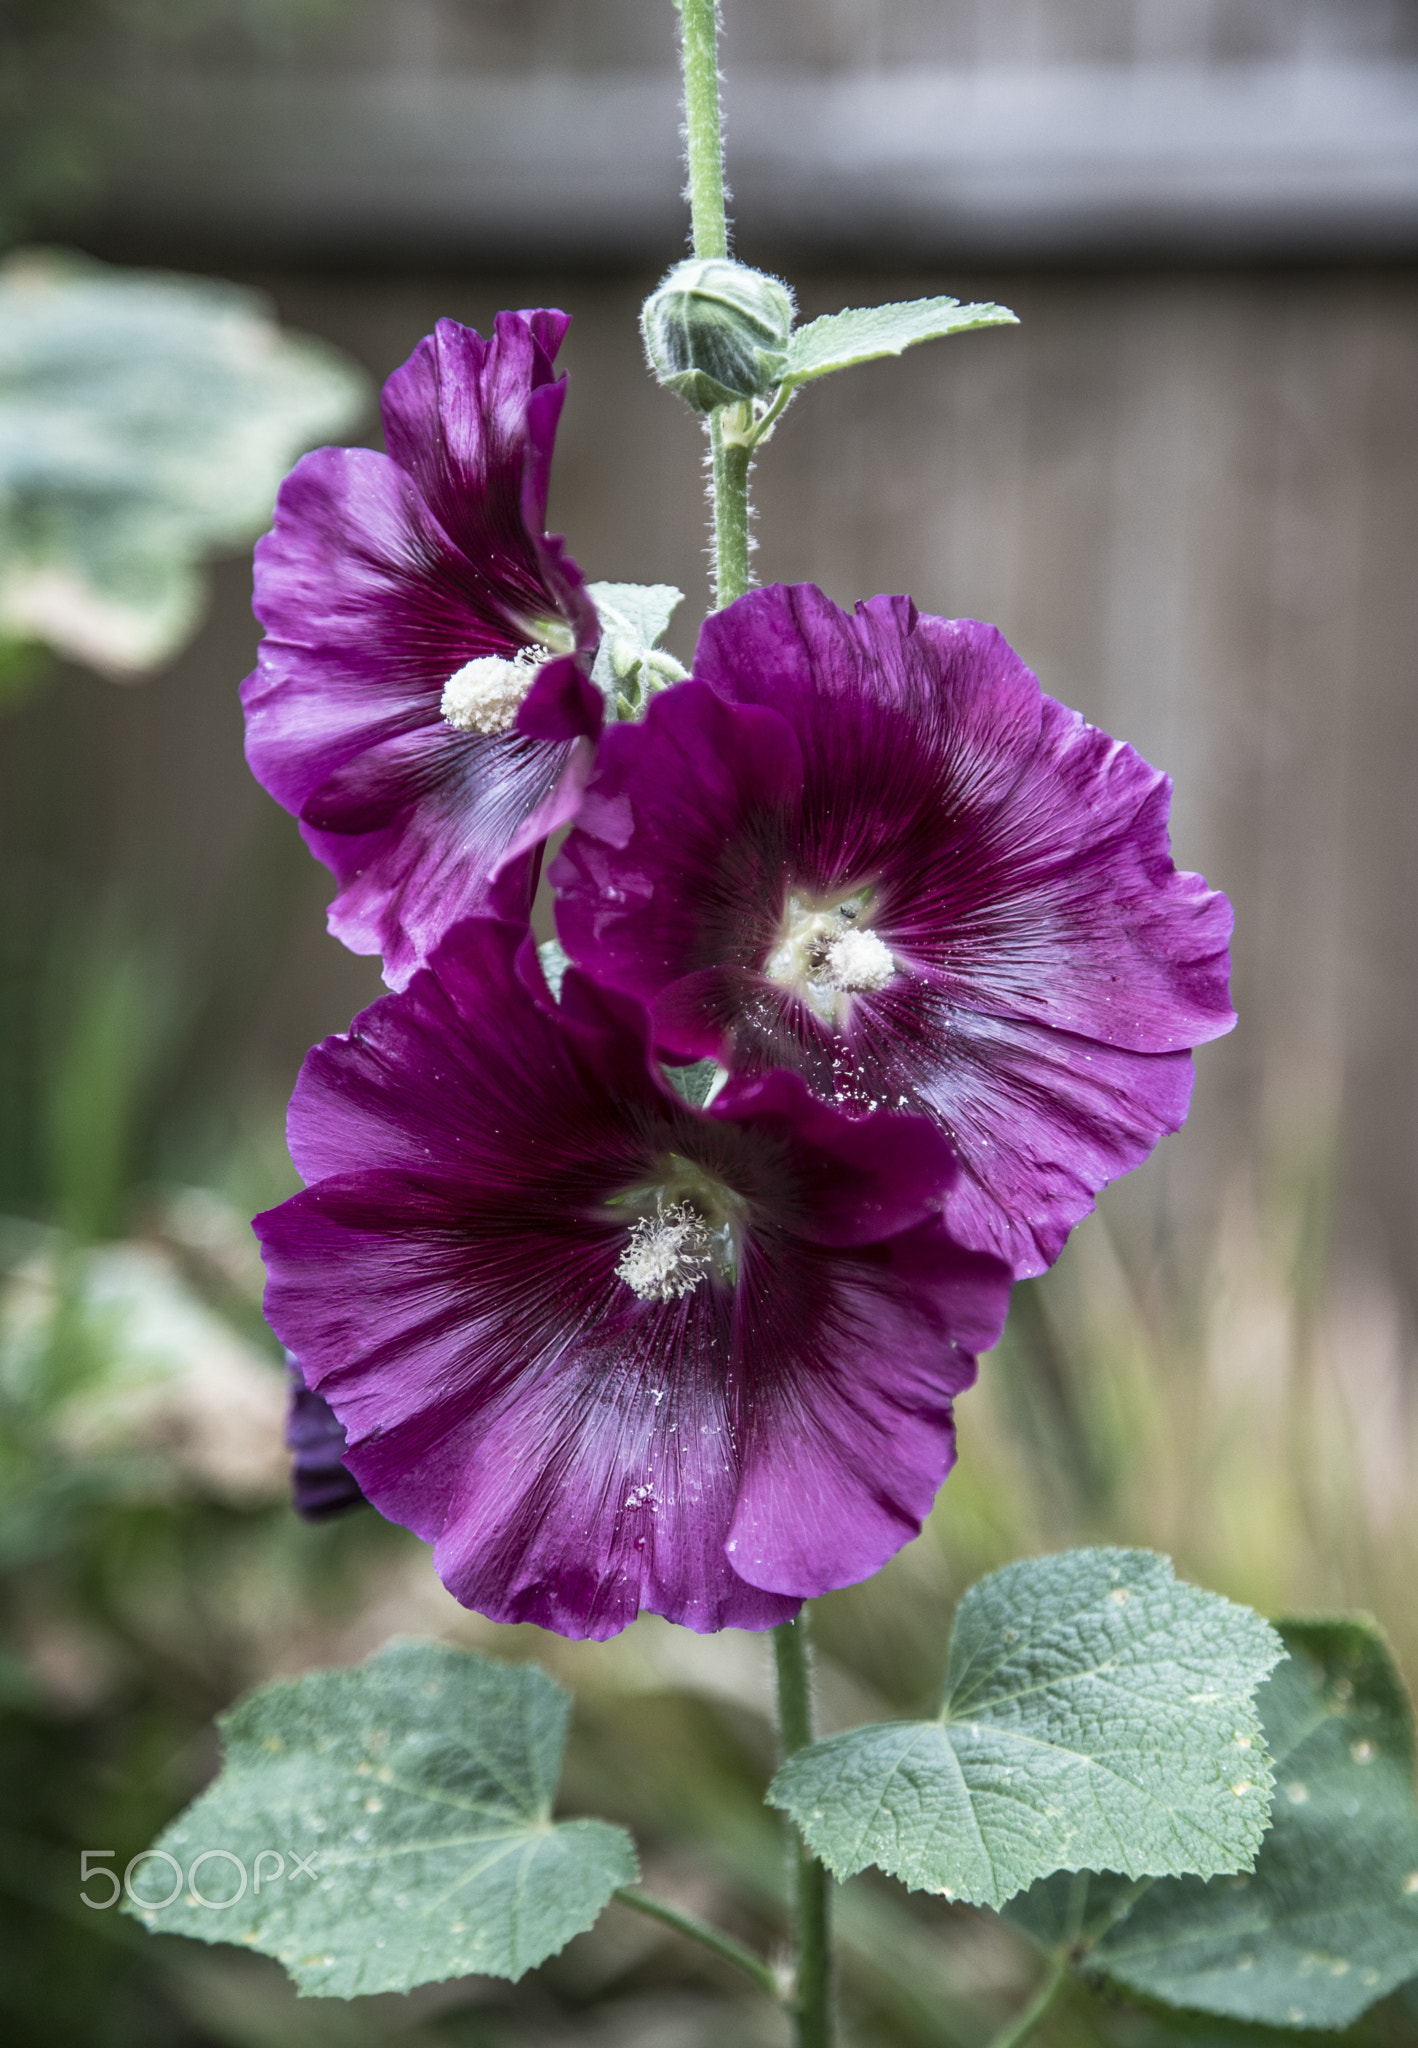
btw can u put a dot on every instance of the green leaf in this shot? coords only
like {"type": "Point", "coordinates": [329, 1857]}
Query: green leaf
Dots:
{"type": "Point", "coordinates": [418, 1788]}
{"type": "Point", "coordinates": [840, 340]}
{"type": "Point", "coordinates": [1097, 1714]}
{"type": "Point", "coordinates": [693, 1082]}
{"type": "Point", "coordinates": [145, 419]}
{"type": "Point", "coordinates": [629, 663]}
{"type": "Point", "coordinates": [1328, 1921]}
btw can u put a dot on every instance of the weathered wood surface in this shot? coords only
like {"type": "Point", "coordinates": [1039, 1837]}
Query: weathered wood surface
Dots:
{"type": "Point", "coordinates": [1008, 128]}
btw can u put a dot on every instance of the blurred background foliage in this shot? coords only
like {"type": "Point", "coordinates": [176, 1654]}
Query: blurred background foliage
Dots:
{"type": "Point", "coordinates": [1185, 490]}
{"type": "Point", "coordinates": [145, 419]}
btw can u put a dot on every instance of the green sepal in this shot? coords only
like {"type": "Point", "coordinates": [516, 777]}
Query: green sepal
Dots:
{"type": "Point", "coordinates": [1328, 1921]}
{"type": "Point", "coordinates": [418, 1788]}
{"type": "Point", "coordinates": [629, 662]}
{"type": "Point", "coordinates": [1096, 1711]}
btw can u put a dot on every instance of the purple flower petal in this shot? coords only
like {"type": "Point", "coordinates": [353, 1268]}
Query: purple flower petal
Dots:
{"type": "Point", "coordinates": [842, 1460]}
{"type": "Point", "coordinates": [383, 577]}
{"type": "Point", "coordinates": [460, 1281]}
{"type": "Point", "coordinates": [474, 422]}
{"type": "Point", "coordinates": [1016, 955]}
{"type": "Point", "coordinates": [562, 704]}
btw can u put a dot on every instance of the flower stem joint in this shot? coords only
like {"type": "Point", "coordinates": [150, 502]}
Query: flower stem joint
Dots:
{"type": "Point", "coordinates": [717, 332]}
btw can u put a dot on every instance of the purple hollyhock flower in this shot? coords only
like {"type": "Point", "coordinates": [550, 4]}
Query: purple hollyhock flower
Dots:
{"type": "Point", "coordinates": [871, 850]}
{"type": "Point", "coordinates": [417, 700]}
{"type": "Point", "coordinates": [320, 1484]}
{"type": "Point", "coordinates": [604, 1350]}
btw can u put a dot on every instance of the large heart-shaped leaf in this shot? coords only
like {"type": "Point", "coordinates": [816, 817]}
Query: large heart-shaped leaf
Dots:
{"type": "Point", "coordinates": [388, 1826]}
{"type": "Point", "coordinates": [1097, 1713]}
{"type": "Point", "coordinates": [1328, 1921]}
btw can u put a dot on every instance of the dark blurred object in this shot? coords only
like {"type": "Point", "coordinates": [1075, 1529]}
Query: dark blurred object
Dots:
{"type": "Point", "coordinates": [53, 139]}
{"type": "Point", "coordinates": [63, 115]}
{"type": "Point", "coordinates": [320, 1485]}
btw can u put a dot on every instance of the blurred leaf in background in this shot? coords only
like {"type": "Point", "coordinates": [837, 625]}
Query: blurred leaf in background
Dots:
{"type": "Point", "coordinates": [145, 420]}
{"type": "Point", "coordinates": [107, 1024]}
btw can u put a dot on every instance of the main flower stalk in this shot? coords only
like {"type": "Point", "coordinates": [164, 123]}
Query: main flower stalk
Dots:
{"type": "Point", "coordinates": [813, 1985]}
{"type": "Point", "coordinates": [704, 148]}
{"type": "Point", "coordinates": [704, 145]}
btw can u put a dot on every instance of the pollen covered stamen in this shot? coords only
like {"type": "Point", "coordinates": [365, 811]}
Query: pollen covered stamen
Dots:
{"type": "Point", "coordinates": [825, 952]}
{"type": "Point", "coordinates": [485, 695]}
{"type": "Point", "coordinates": [668, 1254]}
{"type": "Point", "coordinates": [858, 961]}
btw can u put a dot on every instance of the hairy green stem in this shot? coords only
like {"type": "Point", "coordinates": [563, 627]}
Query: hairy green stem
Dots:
{"type": "Point", "coordinates": [1020, 2028]}
{"type": "Point", "coordinates": [704, 144]}
{"type": "Point", "coordinates": [813, 1988]}
{"type": "Point", "coordinates": [730, 489]}
{"type": "Point", "coordinates": [704, 151]}
{"type": "Point", "coordinates": [722, 1945]}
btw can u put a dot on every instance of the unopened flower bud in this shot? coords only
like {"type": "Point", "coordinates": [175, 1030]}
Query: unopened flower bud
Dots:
{"type": "Point", "coordinates": [717, 332]}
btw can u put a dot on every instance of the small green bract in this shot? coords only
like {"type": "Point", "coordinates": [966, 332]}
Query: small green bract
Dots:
{"type": "Point", "coordinates": [838, 341]}
{"type": "Point", "coordinates": [630, 662]}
